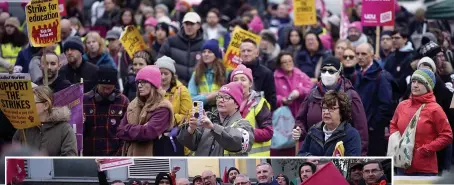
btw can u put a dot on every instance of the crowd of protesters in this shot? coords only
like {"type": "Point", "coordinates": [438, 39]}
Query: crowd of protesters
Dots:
{"type": "Point", "coordinates": [346, 98]}
{"type": "Point", "coordinates": [361, 173]}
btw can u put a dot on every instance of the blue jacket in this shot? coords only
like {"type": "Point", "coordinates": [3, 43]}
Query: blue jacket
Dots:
{"type": "Point", "coordinates": [315, 144]}
{"type": "Point", "coordinates": [377, 98]}
{"type": "Point", "coordinates": [307, 63]}
{"type": "Point", "coordinates": [23, 58]}
{"type": "Point", "coordinates": [104, 59]}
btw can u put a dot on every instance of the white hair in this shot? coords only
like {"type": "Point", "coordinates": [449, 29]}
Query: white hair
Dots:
{"type": "Point", "coordinates": [242, 176]}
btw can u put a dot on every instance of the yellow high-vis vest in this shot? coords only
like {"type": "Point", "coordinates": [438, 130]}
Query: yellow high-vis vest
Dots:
{"type": "Point", "coordinates": [258, 148]}
{"type": "Point", "coordinates": [9, 53]}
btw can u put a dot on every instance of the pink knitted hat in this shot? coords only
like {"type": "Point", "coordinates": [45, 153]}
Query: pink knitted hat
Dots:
{"type": "Point", "coordinates": [151, 74]}
{"type": "Point", "coordinates": [357, 25]}
{"type": "Point", "coordinates": [242, 69]}
{"type": "Point", "coordinates": [151, 21]}
{"type": "Point", "coordinates": [327, 41]}
{"type": "Point", "coordinates": [235, 90]}
{"type": "Point", "coordinates": [256, 24]}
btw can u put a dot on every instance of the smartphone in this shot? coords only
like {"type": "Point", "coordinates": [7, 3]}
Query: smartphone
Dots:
{"type": "Point", "coordinates": [197, 111]}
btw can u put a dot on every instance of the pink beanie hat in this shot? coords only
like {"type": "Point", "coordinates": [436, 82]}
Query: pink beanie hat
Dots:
{"type": "Point", "coordinates": [151, 21]}
{"type": "Point", "coordinates": [242, 69]}
{"type": "Point", "coordinates": [356, 25]}
{"type": "Point", "coordinates": [235, 90]}
{"type": "Point", "coordinates": [256, 24]}
{"type": "Point", "coordinates": [151, 74]}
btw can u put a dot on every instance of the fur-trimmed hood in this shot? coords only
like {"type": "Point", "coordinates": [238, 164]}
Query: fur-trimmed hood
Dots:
{"type": "Point", "coordinates": [58, 115]}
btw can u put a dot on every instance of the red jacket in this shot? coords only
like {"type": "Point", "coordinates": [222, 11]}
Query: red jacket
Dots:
{"type": "Point", "coordinates": [433, 132]}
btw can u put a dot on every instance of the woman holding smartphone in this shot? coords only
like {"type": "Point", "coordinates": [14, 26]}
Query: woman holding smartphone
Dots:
{"type": "Point", "coordinates": [222, 132]}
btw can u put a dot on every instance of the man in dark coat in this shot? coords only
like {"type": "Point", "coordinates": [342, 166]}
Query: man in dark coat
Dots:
{"type": "Point", "coordinates": [184, 46]}
{"type": "Point", "coordinates": [263, 77]}
{"type": "Point", "coordinates": [104, 108]}
{"type": "Point", "coordinates": [77, 69]}
{"type": "Point", "coordinates": [398, 62]}
{"type": "Point", "coordinates": [373, 85]}
{"type": "Point", "coordinates": [55, 82]}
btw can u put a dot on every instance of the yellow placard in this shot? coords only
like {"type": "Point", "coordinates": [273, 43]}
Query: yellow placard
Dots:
{"type": "Point", "coordinates": [197, 166]}
{"type": "Point", "coordinates": [232, 55]}
{"type": "Point", "coordinates": [132, 40]}
{"type": "Point", "coordinates": [304, 12]}
{"type": "Point", "coordinates": [43, 22]}
{"type": "Point", "coordinates": [17, 100]}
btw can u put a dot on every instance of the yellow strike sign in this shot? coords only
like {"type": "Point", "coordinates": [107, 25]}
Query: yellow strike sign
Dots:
{"type": "Point", "coordinates": [232, 55]}
{"type": "Point", "coordinates": [43, 22]}
{"type": "Point", "coordinates": [132, 40]}
{"type": "Point", "coordinates": [17, 100]}
{"type": "Point", "coordinates": [304, 12]}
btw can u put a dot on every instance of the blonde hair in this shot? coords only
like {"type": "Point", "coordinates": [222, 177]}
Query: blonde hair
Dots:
{"type": "Point", "coordinates": [347, 42]}
{"type": "Point", "coordinates": [44, 95]}
{"type": "Point", "coordinates": [98, 39]}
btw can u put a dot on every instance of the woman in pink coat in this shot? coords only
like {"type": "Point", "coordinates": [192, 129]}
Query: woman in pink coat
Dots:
{"type": "Point", "coordinates": [292, 85]}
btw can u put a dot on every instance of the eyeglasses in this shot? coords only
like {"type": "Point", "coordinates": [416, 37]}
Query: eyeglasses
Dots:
{"type": "Point", "coordinates": [330, 71]}
{"type": "Point", "coordinates": [349, 57]}
{"type": "Point", "coordinates": [331, 109]}
{"type": "Point", "coordinates": [141, 82]}
{"type": "Point", "coordinates": [224, 98]}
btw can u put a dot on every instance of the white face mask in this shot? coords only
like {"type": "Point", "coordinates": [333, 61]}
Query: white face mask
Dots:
{"type": "Point", "coordinates": [329, 79]}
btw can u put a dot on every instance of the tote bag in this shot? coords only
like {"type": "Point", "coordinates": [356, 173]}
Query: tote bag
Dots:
{"type": "Point", "coordinates": [404, 155]}
{"type": "Point", "coordinates": [283, 123]}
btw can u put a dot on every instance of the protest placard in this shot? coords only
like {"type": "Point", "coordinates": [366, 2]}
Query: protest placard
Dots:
{"type": "Point", "coordinates": [108, 164]}
{"type": "Point", "coordinates": [43, 22]}
{"type": "Point", "coordinates": [17, 100]}
{"type": "Point", "coordinates": [132, 40]}
{"type": "Point", "coordinates": [378, 13]}
{"type": "Point", "coordinates": [329, 170]}
{"type": "Point", "coordinates": [72, 97]}
{"type": "Point", "coordinates": [232, 55]}
{"type": "Point", "coordinates": [304, 12]}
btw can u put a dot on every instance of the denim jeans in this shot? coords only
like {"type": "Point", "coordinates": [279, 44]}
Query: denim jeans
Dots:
{"type": "Point", "coordinates": [400, 172]}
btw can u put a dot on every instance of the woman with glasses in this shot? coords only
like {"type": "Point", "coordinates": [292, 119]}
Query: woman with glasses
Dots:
{"type": "Point", "coordinates": [148, 116]}
{"type": "Point", "coordinates": [349, 62]}
{"type": "Point", "coordinates": [140, 60]}
{"type": "Point", "coordinates": [310, 112]}
{"type": "Point", "coordinates": [334, 135]}
{"type": "Point", "coordinates": [256, 110]}
{"type": "Point", "coordinates": [222, 132]}
{"type": "Point", "coordinates": [54, 136]}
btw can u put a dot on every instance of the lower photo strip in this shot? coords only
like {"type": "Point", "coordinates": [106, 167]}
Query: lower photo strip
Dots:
{"type": "Point", "coordinates": [203, 171]}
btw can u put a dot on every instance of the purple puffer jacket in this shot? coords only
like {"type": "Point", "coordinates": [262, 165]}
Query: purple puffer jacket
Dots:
{"type": "Point", "coordinates": [310, 112]}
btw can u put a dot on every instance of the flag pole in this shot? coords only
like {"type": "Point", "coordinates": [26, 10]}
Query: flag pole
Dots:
{"type": "Point", "coordinates": [377, 42]}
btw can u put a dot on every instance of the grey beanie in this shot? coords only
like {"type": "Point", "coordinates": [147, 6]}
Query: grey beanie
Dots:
{"type": "Point", "coordinates": [163, 6]}
{"type": "Point", "coordinates": [166, 63]}
{"type": "Point", "coordinates": [429, 61]}
{"type": "Point", "coordinates": [74, 42]}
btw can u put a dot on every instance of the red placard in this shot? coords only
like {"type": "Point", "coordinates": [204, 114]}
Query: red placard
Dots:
{"type": "Point", "coordinates": [320, 177]}
{"type": "Point", "coordinates": [108, 164]}
{"type": "Point", "coordinates": [62, 6]}
{"type": "Point", "coordinates": [15, 170]}
{"type": "Point", "coordinates": [378, 13]}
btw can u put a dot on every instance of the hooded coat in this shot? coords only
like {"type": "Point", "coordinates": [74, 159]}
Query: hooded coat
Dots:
{"type": "Point", "coordinates": [54, 136]}
{"type": "Point", "coordinates": [102, 60]}
{"type": "Point", "coordinates": [183, 50]}
{"type": "Point", "coordinates": [310, 112]}
{"type": "Point", "coordinates": [433, 132]}
{"type": "Point", "coordinates": [224, 136]}
{"type": "Point", "coordinates": [307, 63]}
